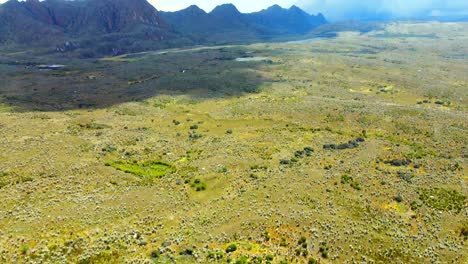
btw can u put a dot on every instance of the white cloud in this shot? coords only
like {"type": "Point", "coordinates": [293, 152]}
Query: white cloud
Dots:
{"type": "Point", "coordinates": [337, 9]}
{"type": "Point", "coordinates": [368, 9]}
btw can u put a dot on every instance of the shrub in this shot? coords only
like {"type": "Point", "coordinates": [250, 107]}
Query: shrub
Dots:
{"type": "Point", "coordinates": [194, 135]}
{"type": "Point", "coordinates": [302, 240]}
{"type": "Point", "coordinates": [283, 242]}
{"type": "Point", "coordinates": [242, 260]}
{"type": "Point", "coordinates": [414, 205]}
{"type": "Point", "coordinates": [356, 185]}
{"type": "Point", "coordinates": [24, 249]}
{"type": "Point", "coordinates": [443, 199]}
{"type": "Point", "coordinates": [299, 154]}
{"type": "Point", "coordinates": [109, 149]}
{"type": "Point", "coordinates": [345, 178]}
{"type": "Point", "coordinates": [407, 177]}
{"type": "Point", "coordinates": [398, 198]}
{"type": "Point", "coordinates": [187, 252]}
{"type": "Point", "coordinates": [155, 253]}
{"type": "Point", "coordinates": [231, 248]}
{"type": "Point", "coordinates": [149, 169]}
{"type": "Point", "coordinates": [215, 255]}
{"type": "Point", "coordinates": [324, 250]}
{"type": "Point", "coordinates": [464, 232]}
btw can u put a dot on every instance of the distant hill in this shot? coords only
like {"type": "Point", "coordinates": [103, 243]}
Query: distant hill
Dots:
{"type": "Point", "coordinates": [277, 20]}
{"type": "Point", "coordinates": [91, 28]}
{"type": "Point", "coordinates": [226, 23]}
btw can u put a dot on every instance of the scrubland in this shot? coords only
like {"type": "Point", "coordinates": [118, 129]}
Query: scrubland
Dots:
{"type": "Point", "coordinates": [342, 150]}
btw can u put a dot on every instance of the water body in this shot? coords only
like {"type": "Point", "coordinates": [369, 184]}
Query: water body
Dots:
{"type": "Point", "coordinates": [247, 59]}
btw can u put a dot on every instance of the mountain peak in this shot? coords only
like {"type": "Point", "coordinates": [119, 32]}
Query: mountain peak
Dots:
{"type": "Point", "coordinates": [194, 9]}
{"type": "Point", "coordinates": [225, 9]}
{"type": "Point", "coordinates": [274, 8]}
{"type": "Point", "coordinates": [295, 8]}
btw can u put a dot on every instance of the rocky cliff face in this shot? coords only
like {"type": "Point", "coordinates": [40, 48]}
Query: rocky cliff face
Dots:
{"type": "Point", "coordinates": [104, 27]}
{"type": "Point", "coordinates": [228, 21]}
{"type": "Point", "coordinates": [82, 18]}
{"type": "Point", "coordinates": [108, 16]}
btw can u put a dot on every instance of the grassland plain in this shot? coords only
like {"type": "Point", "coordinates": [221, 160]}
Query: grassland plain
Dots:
{"type": "Point", "coordinates": [346, 150]}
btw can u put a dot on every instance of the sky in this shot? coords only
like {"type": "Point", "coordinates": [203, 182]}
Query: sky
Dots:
{"type": "Point", "coordinates": [369, 9]}
{"type": "Point", "coordinates": [338, 10]}
{"type": "Point", "coordinates": [208, 5]}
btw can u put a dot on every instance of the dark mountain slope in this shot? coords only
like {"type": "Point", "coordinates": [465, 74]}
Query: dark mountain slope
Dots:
{"type": "Point", "coordinates": [226, 23]}
{"type": "Point", "coordinates": [277, 20]}
{"type": "Point", "coordinates": [21, 25]}
{"type": "Point", "coordinates": [110, 16]}
{"type": "Point", "coordinates": [104, 27]}
{"type": "Point", "coordinates": [80, 18]}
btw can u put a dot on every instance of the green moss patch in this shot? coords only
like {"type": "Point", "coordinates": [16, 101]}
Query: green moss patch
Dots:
{"type": "Point", "coordinates": [148, 169]}
{"type": "Point", "coordinates": [443, 199]}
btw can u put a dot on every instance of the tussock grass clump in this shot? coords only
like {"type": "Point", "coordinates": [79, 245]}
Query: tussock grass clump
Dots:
{"type": "Point", "coordinates": [148, 169]}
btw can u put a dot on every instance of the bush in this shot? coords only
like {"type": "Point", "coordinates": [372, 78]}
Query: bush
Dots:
{"type": "Point", "coordinates": [231, 248]}
{"type": "Point", "coordinates": [242, 260]}
{"type": "Point", "coordinates": [356, 185]}
{"type": "Point", "coordinates": [345, 178]}
{"type": "Point", "coordinates": [302, 240]}
{"type": "Point", "coordinates": [216, 255]}
{"type": "Point", "coordinates": [443, 199]}
{"type": "Point", "coordinates": [398, 198]}
{"type": "Point", "coordinates": [324, 250]}
{"type": "Point", "coordinates": [283, 242]}
{"type": "Point", "coordinates": [186, 252]}
{"type": "Point", "coordinates": [194, 135]}
{"type": "Point", "coordinates": [155, 253]}
{"type": "Point", "coordinates": [198, 185]}
{"type": "Point", "coordinates": [464, 232]}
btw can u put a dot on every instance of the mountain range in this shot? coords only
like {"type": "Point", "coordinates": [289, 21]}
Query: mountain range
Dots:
{"type": "Point", "coordinates": [226, 21]}
{"type": "Point", "coordinates": [91, 28]}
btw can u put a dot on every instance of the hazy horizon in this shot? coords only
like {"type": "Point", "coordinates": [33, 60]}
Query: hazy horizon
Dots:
{"type": "Point", "coordinates": [338, 10]}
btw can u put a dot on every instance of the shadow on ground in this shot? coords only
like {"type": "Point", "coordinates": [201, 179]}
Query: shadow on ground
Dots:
{"type": "Point", "coordinates": [94, 84]}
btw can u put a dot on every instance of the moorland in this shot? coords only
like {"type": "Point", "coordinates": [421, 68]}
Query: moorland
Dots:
{"type": "Point", "coordinates": [349, 149]}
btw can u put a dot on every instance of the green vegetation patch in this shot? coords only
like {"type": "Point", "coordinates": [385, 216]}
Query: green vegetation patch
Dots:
{"type": "Point", "coordinates": [443, 199]}
{"type": "Point", "coordinates": [198, 185]}
{"type": "Point", "coordinates": [93, 125]}
{"type": "Point", "coordinates": [345, 179]}
{"type": "Point", "coordinates": [148, 169]}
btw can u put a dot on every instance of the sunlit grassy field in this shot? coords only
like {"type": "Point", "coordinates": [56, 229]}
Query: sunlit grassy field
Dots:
{"type": "Point", "coordinates": [351, 149]}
